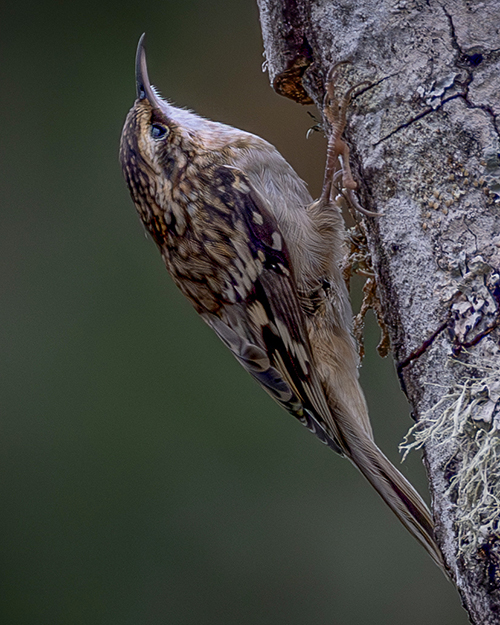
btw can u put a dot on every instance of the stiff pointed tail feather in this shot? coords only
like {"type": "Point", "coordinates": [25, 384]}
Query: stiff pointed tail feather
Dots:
{"type": "Point", "coordinates": [398, 493]}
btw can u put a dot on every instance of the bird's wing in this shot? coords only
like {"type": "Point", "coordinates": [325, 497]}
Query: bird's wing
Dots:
{"type": "Point", "coordinates": [265, 327]}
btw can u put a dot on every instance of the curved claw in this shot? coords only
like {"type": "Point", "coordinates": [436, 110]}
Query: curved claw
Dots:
{"type": "Point", "coordinates": [332, 72]}
{"type": "Point", "coordinates": [349, 195]}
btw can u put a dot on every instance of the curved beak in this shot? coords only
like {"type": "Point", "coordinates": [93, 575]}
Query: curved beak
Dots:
{"type": "Point", "coordinates": [143, 86]}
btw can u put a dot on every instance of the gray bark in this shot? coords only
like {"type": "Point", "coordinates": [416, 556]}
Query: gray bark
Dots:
{"type": "Point", "coordinates": [425, 151]}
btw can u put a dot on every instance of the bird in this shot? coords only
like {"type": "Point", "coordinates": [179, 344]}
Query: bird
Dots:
{"type": "Point", "coordinates": [260, 260]}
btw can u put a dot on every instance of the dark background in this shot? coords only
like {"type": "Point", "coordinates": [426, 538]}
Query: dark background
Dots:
{"type": "Point", "coordinates": [145, 479]}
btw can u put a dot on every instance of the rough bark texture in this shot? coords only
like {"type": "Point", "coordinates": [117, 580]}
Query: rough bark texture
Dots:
{"type": "Point", "coordinates": [424, 138]}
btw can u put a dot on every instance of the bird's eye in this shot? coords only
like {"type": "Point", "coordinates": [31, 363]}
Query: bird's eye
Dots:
{"type": "Point", "coordinates": [158, 131]}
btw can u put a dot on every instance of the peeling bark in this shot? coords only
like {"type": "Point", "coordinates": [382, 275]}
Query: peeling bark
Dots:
{"type": "Point", "coordinates": [425, 150]}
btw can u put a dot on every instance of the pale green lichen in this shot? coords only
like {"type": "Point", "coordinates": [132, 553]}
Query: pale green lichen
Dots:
{"type": "Point", "coordinates": [466, 422]}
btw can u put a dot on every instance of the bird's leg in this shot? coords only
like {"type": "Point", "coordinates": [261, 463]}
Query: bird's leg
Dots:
{"type": "Point", "coordinates": [337, 153]}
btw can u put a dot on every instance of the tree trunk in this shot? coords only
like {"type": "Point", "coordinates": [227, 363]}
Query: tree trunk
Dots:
{"type": "Point", "coordinates": [425, 152]}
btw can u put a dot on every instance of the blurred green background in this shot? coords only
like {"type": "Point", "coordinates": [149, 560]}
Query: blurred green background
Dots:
{"type": "Point", "coordinates": [144, 477]}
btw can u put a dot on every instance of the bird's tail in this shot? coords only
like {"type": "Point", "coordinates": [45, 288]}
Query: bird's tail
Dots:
{"type": "Point", "coordinates": [395, 490]}
{"type": "Point", "coordinates": [350, 426]}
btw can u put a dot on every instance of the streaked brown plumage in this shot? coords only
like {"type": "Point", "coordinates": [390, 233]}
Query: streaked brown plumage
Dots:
{"type": "Point", "coordinates": [259, 261]}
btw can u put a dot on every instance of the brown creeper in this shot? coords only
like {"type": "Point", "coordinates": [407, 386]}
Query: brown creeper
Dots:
{"type": "Point", "coordinates": [259, 260]}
